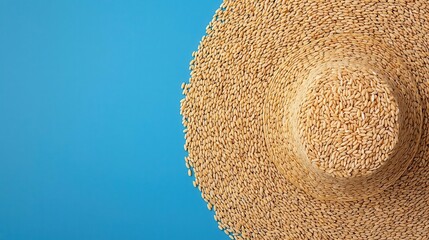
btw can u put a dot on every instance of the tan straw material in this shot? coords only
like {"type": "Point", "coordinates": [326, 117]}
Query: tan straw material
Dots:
{"type": "Point", "coordinates": [309, 119]}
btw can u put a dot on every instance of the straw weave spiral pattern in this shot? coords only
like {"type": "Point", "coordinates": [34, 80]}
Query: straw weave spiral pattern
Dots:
{"type": "Point", "coordinates": [254, 138]}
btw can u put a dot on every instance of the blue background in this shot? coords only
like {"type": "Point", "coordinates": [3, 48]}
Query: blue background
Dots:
{"type": "Point", "coordinates": [91, 142]}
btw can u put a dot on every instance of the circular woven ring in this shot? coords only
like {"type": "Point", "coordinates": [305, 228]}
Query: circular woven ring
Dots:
{"type": "Point", "coordinates": [288, 86]}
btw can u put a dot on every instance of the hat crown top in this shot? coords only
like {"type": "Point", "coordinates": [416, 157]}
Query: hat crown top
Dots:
{"type": "Point", "coordinates": [348, 121]}
{"type": "Point", "coordinates": [341, 118]}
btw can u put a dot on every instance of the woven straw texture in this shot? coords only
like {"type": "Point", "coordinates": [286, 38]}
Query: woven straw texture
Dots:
{"type": "Point", "coordinates": [308, 119]}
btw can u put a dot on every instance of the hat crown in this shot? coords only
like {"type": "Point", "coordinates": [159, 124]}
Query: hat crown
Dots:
{"type": "Point", "coordinates": [347, 121]}
{"type": "Point", "coordinates": [341, 118]}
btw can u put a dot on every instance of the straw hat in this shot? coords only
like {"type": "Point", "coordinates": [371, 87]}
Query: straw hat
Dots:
{"type": "Point", "coordinates": [309, 119]}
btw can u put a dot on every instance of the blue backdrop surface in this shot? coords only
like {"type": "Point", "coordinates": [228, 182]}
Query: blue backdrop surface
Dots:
{"type": "Point", "coordinates": [91, 142]}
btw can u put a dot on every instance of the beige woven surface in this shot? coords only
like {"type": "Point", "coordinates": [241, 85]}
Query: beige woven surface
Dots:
{"type": "Point", "coordinates": [337, 135]}
{"type": "Point", "coordinates": [251, 131]}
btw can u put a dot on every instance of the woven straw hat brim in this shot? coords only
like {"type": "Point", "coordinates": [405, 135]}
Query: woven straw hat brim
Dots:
{"type": "Point", "coordinates": [246, 45]}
